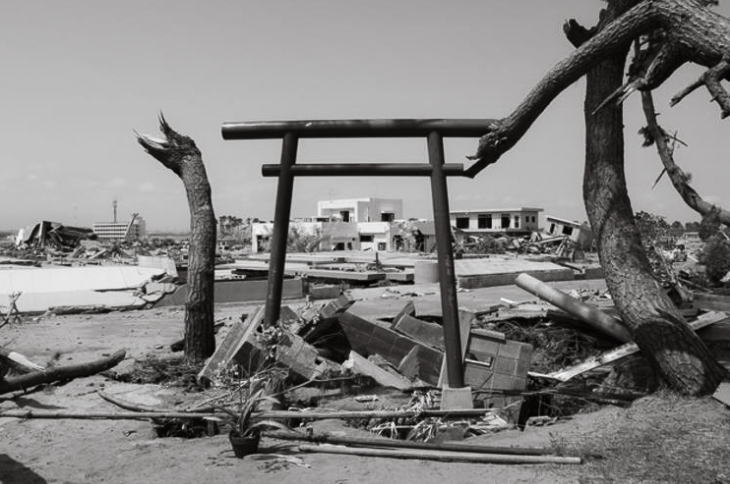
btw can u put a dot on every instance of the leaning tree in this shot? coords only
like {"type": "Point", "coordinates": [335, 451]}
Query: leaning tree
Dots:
{"type": "Point", "coordinates": [179, 153]}
{"type": "Point", "coordinates": [674, 32]}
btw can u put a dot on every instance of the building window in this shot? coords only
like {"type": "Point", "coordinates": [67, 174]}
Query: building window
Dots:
{"type": "Point", "coordinates": [484, 221]}
{"type": "Point", "coordinates": [340, 246]}
{"type": "Point", "coordinates": [505, 221]}
{"type": "Point", "coordinates": [567, 230]}
{"type": "Point", "coordinates": [387, 217]}
{"type": "Point", "coordinates": [366, 238]}
{"type": "Point", "coordinates": [345, 214]}
{"type": "Point", "coordinates": [381, 245]}
{"type": "Point", "coordinates": [517, 221]}
{"type": "Point", "coordinates": [462, 222]}
{"type": "Point", "coordinates": [552, 229]}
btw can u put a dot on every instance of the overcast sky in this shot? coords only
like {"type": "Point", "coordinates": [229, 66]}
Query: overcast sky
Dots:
{"type": "Point", "coordinates": [79, 76]}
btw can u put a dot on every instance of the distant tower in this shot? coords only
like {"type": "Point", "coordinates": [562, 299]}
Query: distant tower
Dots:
{"type": "Point", "coordinates": [114, 205]}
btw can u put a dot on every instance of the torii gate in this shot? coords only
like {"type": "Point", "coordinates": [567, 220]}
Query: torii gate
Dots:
{"type": "Point", "coordinates": [434, 130]}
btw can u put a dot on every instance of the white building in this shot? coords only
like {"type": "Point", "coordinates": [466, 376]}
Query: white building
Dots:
{"type": "Point", "coordinates": [361, 209]}
{"type": "Point", "coordinates": [134, 230]}
{"type": "Point", "coordinates": [497, 220]}
{"type": "Point", "coordinates": [311, 235]}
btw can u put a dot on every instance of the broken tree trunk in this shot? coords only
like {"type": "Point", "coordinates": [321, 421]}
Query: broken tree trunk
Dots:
{"type": "Point", "coordinates": [656, 325]}
{"type": "Point", "coordinates": [182, 157]}
{"type": "Point", "coordinates": [60, 373]}
{"type": "Point", "coordinates": [691, 32]}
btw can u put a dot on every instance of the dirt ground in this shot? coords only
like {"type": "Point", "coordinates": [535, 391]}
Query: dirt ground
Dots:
{"type": "Point", "coordinates": [128, 451]}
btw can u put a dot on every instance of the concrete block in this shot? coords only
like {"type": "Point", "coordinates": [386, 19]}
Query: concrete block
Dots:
{"type": "Point", "coordinates": [456, 398]}
{"type": "Point", "coordinates": [505, 365]}
{"type": "Point", "coordinates": [389, 344]}
{"type": "Point", "coordinates": [429, 333]}
{"type": "Point", "coordinates": [301, 358]}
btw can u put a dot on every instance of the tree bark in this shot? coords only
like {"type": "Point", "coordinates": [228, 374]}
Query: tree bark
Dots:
{"type": "Point", "coordinates": [657, 327]}
{"type": "Point", "coordinates": [179, 154]}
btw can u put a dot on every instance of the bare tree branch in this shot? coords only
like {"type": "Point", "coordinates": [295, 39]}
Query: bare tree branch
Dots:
{"type": "Point", "coordinates": [679, 178]}
{"type": "Point", "coordinates": [690, 32]}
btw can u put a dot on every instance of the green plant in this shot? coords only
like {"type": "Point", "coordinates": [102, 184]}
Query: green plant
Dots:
{"type": "Point", "coordinates": [250, 395]}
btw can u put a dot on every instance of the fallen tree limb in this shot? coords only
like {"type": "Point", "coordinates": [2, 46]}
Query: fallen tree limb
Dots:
{"type": "Point", "coordinates": [442, 455]}
{"type": "Point", "coordinates": [406, 444]}
{"type": "Point", "coordinates": [59, 373]}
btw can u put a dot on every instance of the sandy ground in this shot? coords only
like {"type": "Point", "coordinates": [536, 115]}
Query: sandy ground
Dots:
{"type": "Point", "coordinates": [126, 451]}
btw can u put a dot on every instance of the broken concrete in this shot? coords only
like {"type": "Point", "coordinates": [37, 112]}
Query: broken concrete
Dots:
{"type": "Point", "coordinates": [363, 366]}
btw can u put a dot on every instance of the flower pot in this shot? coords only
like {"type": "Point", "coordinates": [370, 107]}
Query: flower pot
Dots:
{"type": "Point", "coordinates": [243, 446]}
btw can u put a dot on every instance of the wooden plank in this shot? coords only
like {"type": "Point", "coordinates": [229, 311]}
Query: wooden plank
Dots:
{"type": "Point", "coordinates": [628, 349]}
{"type": "Point", "coordinates": [231, 345]}
{"type": "Point", "coordinates": [445, 456]}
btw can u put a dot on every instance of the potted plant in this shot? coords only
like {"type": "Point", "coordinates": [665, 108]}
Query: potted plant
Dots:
{"type": "Point", "coordinates": [245, 432]}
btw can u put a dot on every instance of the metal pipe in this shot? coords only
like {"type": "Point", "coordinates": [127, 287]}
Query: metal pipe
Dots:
{"type": "Point", "coordinates": [357, 128]}
{"type": "Point", "coordinates": [281, 228]}
{"type": "Point", "coordinates": [362, 169]}
{"type": "Point", "coordinates": [447, 276]}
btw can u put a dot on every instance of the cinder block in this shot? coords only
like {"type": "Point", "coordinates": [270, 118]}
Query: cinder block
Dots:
{"type": "Point", "coordinates": [505, 365]}
{"type": "Point", "coordinates": [510, 349]}
{"type": "Point", "coordinates": [503, 382]}
{"type": "Point", "coordinates": [523, 365]}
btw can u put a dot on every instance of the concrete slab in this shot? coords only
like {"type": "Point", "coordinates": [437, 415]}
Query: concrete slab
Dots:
{"type": "Point", "coordinates": [473, 273]}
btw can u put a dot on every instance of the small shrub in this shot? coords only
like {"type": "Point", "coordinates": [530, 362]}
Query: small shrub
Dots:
{"type": "Point", "coordinates": [716, 258]}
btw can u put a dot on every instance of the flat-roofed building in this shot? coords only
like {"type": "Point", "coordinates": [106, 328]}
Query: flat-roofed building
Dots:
{"type": "Point", "coordinates": [361, 209]}
{"type": "Point", "coordinates": [497, 220]}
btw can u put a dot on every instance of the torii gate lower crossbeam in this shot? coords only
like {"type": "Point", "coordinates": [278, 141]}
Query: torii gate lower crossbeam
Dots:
{"type": "Point", "coordinates": [436, 169]}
